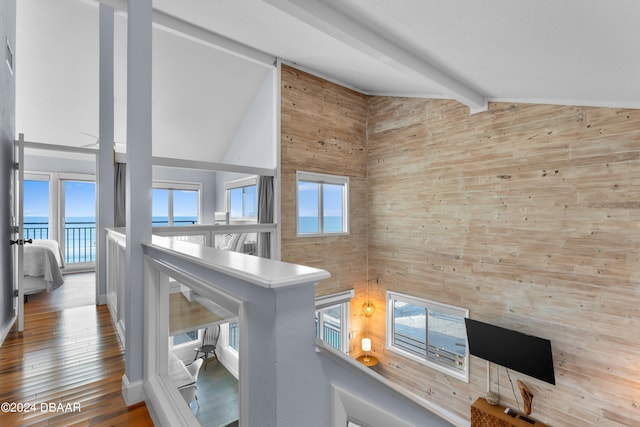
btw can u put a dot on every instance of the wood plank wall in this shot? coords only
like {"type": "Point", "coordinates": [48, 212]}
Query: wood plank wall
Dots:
{"type": "Point", "coordinates": [323, 130]}
{"type": "Point", "coordinates": [527, 215]}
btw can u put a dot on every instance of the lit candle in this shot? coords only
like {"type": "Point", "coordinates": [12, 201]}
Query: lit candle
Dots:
{"type": "Point", "coordinates": [366, 344]}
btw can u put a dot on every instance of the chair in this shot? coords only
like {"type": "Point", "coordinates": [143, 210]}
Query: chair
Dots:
{"type": "Point", "coordinates": [189, 394]}
{"type": "Point", "coordinates": [194, 369]}
{"type": "Point", "coordinates": [209, 343]}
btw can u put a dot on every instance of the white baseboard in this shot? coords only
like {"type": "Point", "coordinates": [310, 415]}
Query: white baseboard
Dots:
{"type": "Point", "coordinates": [132, 392]}
{"type": "Point", "coordinates": [4, 332]}
{"type": "Point", "coordinates": [102, 299]}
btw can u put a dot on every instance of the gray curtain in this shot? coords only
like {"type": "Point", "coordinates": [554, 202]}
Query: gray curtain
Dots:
{"type": "Point", "coordinates": [265, 213]}
{"type": "Point", "coordinates": [120, 219]}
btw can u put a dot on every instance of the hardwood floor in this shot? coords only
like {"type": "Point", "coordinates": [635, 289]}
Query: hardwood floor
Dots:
{"type": "Point", "coordinates": [218, 396]}
{"type": "Point", "coordinates": [66, 368]}
{"type": "Point", "coordinates": [78, 290]}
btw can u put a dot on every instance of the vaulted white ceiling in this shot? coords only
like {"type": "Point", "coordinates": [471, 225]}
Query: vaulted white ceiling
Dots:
{"type": "Point", "coordinates": [576, 52]}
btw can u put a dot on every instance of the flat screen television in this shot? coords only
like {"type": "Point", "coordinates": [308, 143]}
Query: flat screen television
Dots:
{"type": "Point", "coordinates": [514, 350]}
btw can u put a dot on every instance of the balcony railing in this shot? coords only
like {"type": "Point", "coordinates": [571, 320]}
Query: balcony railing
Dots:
{"type": "Point", "coordinates": [331, 334]}
{"type": "Point", "coordinates": [35, 230]}
{"type": "Point", "coordinates": [420, 348]}
{"type": "Point", "coordinates": [79, 242]}
{"type": "Point", "coordinates": [79, 239]}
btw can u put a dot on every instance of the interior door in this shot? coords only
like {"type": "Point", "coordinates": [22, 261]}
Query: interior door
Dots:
{"type": "Point", "coordinates": [17, 239]}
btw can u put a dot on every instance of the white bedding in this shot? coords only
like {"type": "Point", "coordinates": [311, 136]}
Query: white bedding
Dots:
{"type": "Point", "coordinates": [43, 259]}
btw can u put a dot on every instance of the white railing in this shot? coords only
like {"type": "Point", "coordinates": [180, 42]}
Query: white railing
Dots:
{"type": "Point", "coordinates": [286, 376]}
{"type": "Point", "coordinates": [274, 304]}
{"type": "Point", "coordinates": [244, 238]}
{"type": "Point", "coordinates": [116, 263]}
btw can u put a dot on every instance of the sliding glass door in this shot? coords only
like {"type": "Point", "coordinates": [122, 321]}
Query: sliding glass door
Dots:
{"type": "Point", "coordinates": [78, 221]}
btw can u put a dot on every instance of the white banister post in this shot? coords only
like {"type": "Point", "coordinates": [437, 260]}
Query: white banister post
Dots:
{"type": "Point", "coordinates": [105, 173]}
{"type": "Point", "coordinates": [138, 188]}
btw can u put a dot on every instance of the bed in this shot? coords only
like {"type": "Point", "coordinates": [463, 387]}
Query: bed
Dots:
{"type": "Point", "coordinates": [43, 262]}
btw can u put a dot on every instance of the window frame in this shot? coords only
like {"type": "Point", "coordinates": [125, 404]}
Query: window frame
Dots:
{"type": "Point", "coordinates": [343, 300]}
{"type": "Point", "coordinates": [321, 179]}
{"type": "Point", "coordinates": [251, 181]}
{"type": "Point", "coordinates": [170, 186]}
{"type": "Point", "coordinates": [52, 207]}
{"type": "Point", "coordinates": [191, 343]}
{"type": "Point", "coordinates": [461, 374]}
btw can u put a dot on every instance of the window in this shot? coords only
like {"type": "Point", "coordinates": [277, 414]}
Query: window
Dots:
{"type": "Point", "coordinates": [232, 335]}
{"type": "Point", "coordinates": [428, 332]}
{"type": "Point", "coordinates": [242, 198]}
{"type": "Point", "coordinates": [323, 204]}
{"type": "Point", "coordinates": [175, 204]}
{"type": "Point", "coordinates": [186, 338]}
{"type": "Point", "coordinates": [36, 207]}
{"type": "Point", "coordinates": [332, 316]}
{"type": "Point", "coordinates": [78, 236]}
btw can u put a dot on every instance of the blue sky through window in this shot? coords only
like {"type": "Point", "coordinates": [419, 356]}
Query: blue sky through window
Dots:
{"type": "Point", "coordinates": [36, 198]}
{"type": "Point", "coordinates": [79, 199]}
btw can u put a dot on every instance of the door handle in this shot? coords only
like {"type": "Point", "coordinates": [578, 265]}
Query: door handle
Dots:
{"type": "Point", "coordinates": [19, 242]}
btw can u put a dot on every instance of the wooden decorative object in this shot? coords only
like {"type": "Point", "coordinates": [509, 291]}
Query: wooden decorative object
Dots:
{"type": "Point", "coordinates": [485, 415]}
{"type": "Point", "coordinates": [527, 397]}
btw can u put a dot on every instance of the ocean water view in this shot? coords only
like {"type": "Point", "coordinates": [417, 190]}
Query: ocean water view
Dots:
{"type": "Point", "coordinates": [78, 240]}
{"type": "Point", "coordinates": [309, 224]}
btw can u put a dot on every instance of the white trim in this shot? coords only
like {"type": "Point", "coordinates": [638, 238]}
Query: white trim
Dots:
{"type": "Point", "coordinates": [347, 406]}
{"type": "Point", "coordinates": [334, 299]}
{"type": "Point", "coordinates": [352, 365]}
{"type": "Point", "coordinates": [61, 148]}
{"type": "Point", "coordinates": [251, 181]}
{"type": "Point", "coordinates": [339, 25]}
{"type": "Point", "coordinates": [342, 300]}
{"type": "Point", "coordinates": [187, 30]}
{"type": "Point", "coordinates": [132, 392]}
{"type": "Point", "coordinates": [176, 185]}
{"type": "Point", "coordinates": [208, 166]}
{"type": "Point", "coordinates": [242, 182]}
{"type": "Point", "coordinates": [567, 102]}
{"type": "Point", "coordinates": [170, 186]}
{"type": "Point", "coordinates": [4, 332]}
{"type": "Point", "coordinates": [461, 374]}
{"type": "Point", "coordinates": [321, 178]}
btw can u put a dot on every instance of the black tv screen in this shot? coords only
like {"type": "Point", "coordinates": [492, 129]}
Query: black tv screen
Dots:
{"type": "Point", "coordinates": [514, 350]}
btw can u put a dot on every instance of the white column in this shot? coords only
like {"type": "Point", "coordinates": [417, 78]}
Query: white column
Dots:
{"type": "Point", "coordinates": [105, 173]}
{"type": "Point", "coordinates": [138, 199]}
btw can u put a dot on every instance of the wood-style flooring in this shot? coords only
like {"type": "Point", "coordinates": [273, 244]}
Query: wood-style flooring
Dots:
{"type": "Point", "coordinates": [66, 368]}
{"type": "Point", "coordinates": [218, 397]}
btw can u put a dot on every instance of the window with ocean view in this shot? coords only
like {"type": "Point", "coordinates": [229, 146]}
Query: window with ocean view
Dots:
{"type": "Point", "coordinates": [78, 239]}
{"type": "Point", "coordinates": [67, 215]}
{"type": "Point", "coordinates": [175, 204]}
{"type": "Point", "coordinates": [36, 208]}
{"type": "Point", "coordinates": [242, 198]}
{"type": "Point", "coordinates": [323, 204]}
{"type": "Point", "coordinates": [428, 332]}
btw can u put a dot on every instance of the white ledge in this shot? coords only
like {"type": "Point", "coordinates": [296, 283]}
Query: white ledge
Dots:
{"type": "Point", "coordinates": [266, 273]}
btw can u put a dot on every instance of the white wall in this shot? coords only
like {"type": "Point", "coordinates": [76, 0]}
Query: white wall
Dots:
{"type": "Point", "coordinates": [254, 144]}
{"type": "Point", "coordinates": [7, 136]}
